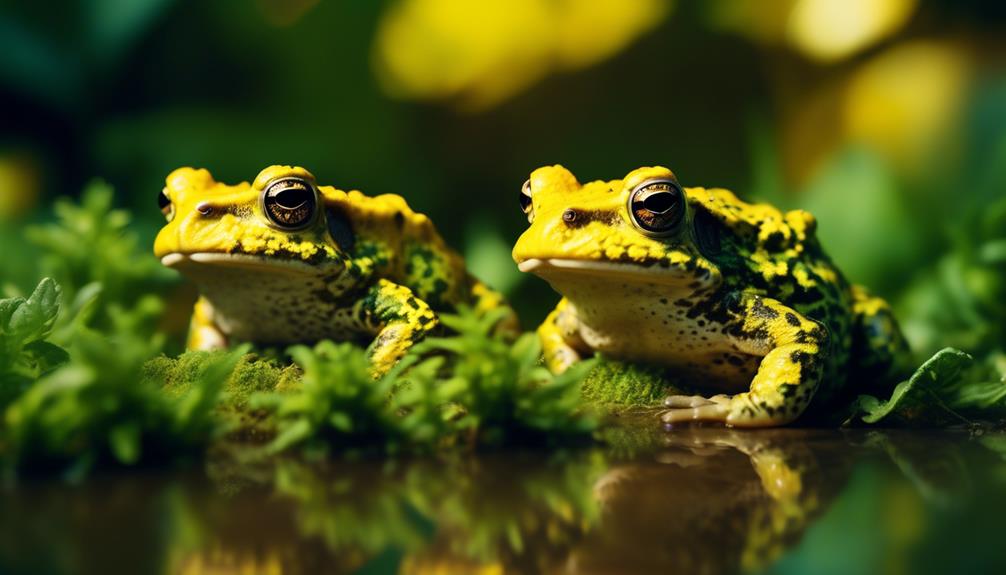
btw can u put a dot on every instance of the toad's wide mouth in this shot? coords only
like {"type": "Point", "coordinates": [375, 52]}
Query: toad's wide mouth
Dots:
{"type": "Point", "coordinates": [183, 262]}
{"type": "Point", "coordinates": [629, 271]}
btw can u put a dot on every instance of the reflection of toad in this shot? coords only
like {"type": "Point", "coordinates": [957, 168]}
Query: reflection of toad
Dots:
{"type": "Point", "coordinates": [715, 500]}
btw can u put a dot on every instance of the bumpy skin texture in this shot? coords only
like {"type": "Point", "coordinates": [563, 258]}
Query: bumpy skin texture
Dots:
{"type": "Point", "coordinates": [739, 299]}
{"type": "Point", "coordinates": [359, 268]}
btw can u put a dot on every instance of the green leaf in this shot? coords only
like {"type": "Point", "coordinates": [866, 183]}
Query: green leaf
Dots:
{"type": "Point", "coordinates": [46, 356]}
{"type": "Point", "coordinates": [32, 320]}
{"type": "Point", "coordinates": [7, 308]}
{"type": "Point", "coordinates": [922, 400]}
{"type": "Point", "coordinates": [291, 435]}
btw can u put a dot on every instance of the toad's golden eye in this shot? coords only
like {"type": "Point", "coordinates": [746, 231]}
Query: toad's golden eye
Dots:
{"type": "Point", "coordinates": [167, 208]}
{"type": "Point", "coordinates": [290, 203]}
{"type": "Point", "coordinates": [657, 207]}
{"type": "Point", "coordinates": [526, 205]}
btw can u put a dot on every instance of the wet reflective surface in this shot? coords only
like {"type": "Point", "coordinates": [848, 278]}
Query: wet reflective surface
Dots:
{"type": "Point", "coordinates": [705, 500]}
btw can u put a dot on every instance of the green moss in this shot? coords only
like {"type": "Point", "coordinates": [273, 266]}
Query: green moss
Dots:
{"type": "Point", "coordinates": [253, 374]}
{"type": "Point", "coordinates": [616, 383]}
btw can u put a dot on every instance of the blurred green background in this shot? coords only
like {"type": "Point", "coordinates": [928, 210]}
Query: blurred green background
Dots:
{"type": "Point", "coordinates": [886, 118]}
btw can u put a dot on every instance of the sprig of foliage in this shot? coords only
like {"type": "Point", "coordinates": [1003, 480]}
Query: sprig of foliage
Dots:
{"type": "Point", "coordinates": [948, 389]}
{"type": "Point", "coordinates": [97, 408]}
{"type": "Point", "coordinates": [472, 386]}
{"type": "Point", "coordinates": [24, 326]}
{"type": "Point", "coordinates": [90, 248]}
{"type": "Point", "coordinates": [961, 300]}
{"type": "Point", "coordinates": [339, 404]}
{"type": "Point", "coordinates": [502, 393]}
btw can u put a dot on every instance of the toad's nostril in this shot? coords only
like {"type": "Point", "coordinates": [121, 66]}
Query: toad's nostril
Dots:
{"type": "Point", "coordinates": [204, 209]}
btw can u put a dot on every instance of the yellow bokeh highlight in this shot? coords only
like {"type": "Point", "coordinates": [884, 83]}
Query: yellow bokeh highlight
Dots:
{"type": "Point", "coordinates": [823, 30]}
{"type": "Point", "coordinates": [906, 102]}
{"type": "Point", "coordinates": [479, 54]}
{"type": "Point", "coordinates": [829, 30]}
{"type": "Point", "coordinates": [20, 185]}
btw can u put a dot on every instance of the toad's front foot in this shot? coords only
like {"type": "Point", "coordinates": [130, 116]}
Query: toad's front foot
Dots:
{"type": "Point", "coordinates": [740, 410]}
{"type": "Point", "coordinates": [694, 408]}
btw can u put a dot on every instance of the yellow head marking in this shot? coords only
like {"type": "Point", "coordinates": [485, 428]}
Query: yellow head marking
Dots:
{"type": "Point", "coordinates": [577, 225]}
{"type": "Point", "coordinates": [215, 218]}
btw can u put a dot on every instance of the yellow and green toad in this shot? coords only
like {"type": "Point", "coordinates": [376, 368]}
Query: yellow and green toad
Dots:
{"type": "Point", "coordinates": [283, 260]}
{"type": "Point", "coordinates": [738, 299]}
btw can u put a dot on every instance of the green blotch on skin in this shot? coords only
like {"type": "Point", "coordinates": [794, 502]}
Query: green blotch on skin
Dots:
{"type": "Point", "coordinates": [621, 384]}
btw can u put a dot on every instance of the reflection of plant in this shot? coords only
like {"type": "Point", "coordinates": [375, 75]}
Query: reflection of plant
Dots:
{"type": "Point", "coordinates": [360, 509]}
{"type": "Point", "coordinates": [498, 508]}
{"type": "Point", "coordinates": [508, 507]}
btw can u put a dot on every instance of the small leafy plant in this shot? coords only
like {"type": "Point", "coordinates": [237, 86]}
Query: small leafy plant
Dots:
{"type": "Point", "coordinates": [472, 387]}
{"type": "Point", "coordinates": [500, 392]}
{"type": "Point", "coordinates": [950, 388]}
{"type": "Point", "coordinates": [338, 404]}
{"type": "Point", "coordinates": [25, 355]}
{"type": "Point", "coordinates": [70, 411]}
{"type": "Point", "coordinates": [90, 248]}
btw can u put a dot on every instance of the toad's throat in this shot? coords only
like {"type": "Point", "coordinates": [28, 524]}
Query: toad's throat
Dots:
{"type": "Point", "coordinates": [270, 300]}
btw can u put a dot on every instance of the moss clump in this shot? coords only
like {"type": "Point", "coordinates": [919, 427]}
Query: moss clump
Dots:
{"type": "Point", "coordinates": [253, 374]}
{"type": "Point", "coordinates": [616, 383]}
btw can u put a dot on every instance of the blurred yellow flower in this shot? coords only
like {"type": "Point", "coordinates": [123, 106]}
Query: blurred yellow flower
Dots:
{"type": "Point", "coordinates": [825, 30]}
{"type": "Point", "coordinates": [830, 30]}
{"type": "Point", "coordinates": [481, 53]}
{"type": "Point", "coordinates": [906, 102]}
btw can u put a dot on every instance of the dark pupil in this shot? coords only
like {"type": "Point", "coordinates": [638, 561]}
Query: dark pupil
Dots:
{"type": "Point", "coordinates": [658, 207]}
{"type": "Point", "coordinates": [290, 203]}
{"type": "Point", "coordinates": [291, 198]}
{"type": "Point", "coordinates": [660, 202]}
{"type": "Point", "coordinates": [525, 202]}
{"type": "Point", "coordinates": [163, 201]}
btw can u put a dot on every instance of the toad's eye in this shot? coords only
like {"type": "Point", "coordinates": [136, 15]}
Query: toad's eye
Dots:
{"type": "Point", "coordinates": [167, 208]}
{"type": "Point", "coordinates": [657, 207]}
{"type": "Point", "coordinates": [525, 201]}
{"type": "Point", "coordinates": [290, 203]}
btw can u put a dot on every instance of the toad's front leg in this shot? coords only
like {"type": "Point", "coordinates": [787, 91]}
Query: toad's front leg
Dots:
{"type": "Point", "coordinates": [398, 319]}
{"type": "Point", "coordinates": [204, 333]}
{"type": "Point", "coordinates": [794, 351]}
{"type": "Point", "coordinates": [559, 334]}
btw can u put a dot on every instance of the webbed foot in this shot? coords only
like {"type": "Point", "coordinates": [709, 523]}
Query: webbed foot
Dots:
{"type": "Point", "coordinates": [687, 408]}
